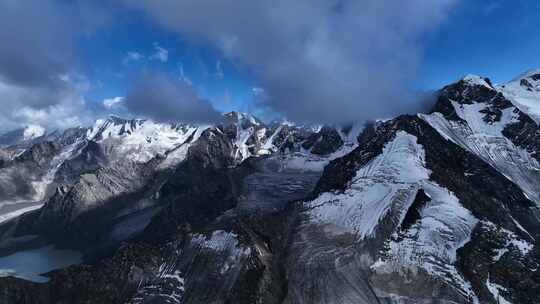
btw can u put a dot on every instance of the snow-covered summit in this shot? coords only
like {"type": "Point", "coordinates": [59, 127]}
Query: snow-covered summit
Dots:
{"type": "Point", "coordinates": [140, 140]}
{"type": "Point", "coordinates": [477, 80]}
{"type": "Point", "coordinates": [533, 74]}
{"type": "Point", "coordinates": [490, 124]}
{"type": "Point", "coordinates": [524, 92]}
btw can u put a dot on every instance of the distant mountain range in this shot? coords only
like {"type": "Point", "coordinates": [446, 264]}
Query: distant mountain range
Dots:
{"type": "Point", "coordinates": [438, 207]}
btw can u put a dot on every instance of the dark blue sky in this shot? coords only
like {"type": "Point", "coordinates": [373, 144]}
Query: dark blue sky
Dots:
{"type": "Point", "coordinates": [498, 39]}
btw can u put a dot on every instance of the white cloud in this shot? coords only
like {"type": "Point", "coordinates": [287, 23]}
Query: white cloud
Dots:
{"type": "Point", "coordinates": [160, 54]}
{"type": "Point", "coordinates": [33, 131]}
{"type": "Point", "coordinates": [19, 108]}
{"type": "Point", "coordinates": [183, 76]}
{"type": "Point", "coordinates": [257, 91]}
{"type": "Point", "coordinates": [111, 103]}
{"type": "Point", "coordinates": [132, 57]}
{"type": "Point", "coordinates": [219, 70]}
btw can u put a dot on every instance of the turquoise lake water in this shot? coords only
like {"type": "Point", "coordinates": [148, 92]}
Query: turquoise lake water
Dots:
{"type": "Point", "coordinates": [31, 264]}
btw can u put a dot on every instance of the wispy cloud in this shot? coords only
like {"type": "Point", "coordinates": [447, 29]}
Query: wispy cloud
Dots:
{"type": "Point", "coordinates": [132, 57]}
{"type": "Point", "coordinates": [183, 76]}
{"type": "Point", "coordinates": [112, 103]}
{"type": "Point", "coordinates": [160, 54]}
{"type": "Point", "coordinates": [219, 70]}
{"type": "Point", "coordinates": [39, 83]}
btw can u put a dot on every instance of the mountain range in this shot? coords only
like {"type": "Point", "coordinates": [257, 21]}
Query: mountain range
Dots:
{"type": "Point", "coordinates": [437, 207]}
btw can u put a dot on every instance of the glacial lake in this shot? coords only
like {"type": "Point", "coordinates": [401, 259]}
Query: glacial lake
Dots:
{"type": "Point", "coordinates": [31, 264]}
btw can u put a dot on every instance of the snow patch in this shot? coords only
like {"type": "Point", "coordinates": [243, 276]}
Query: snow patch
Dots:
{"type": "Point", "coordinates": [220, 240]}
{"type": "Point", "coordinates": [179, 153]}
{"type": "Point", "coordinates": [476, 80]}
{"type": "Point", "coordinates": [512, 240]}
{"type": "Point", "coordinates": [308, 162]}
{"type": "Point", "coordinates": [525, 98]}
{"type": "Point", "coordinates": [10, 215]}
{"type": "Point", "coordinates": [140, 140]}
{"type": "Point", "coordinates": [390, 183]}
{"type": "Point", "coordinates": [432, 243]}
{"type": "Point", "coordinates": [390, 178]}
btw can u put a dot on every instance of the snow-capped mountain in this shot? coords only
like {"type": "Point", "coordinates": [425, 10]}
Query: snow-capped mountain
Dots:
{"type": "Point", "coordinates": [80, 171]}
{"type": "Point", "coordinates": [438, 207]}
{"type": "Point", "coordinates": [524, 92]}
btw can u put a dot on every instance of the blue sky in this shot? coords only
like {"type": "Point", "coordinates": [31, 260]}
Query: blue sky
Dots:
{"type": "Point", "coordinates": [498, 39]}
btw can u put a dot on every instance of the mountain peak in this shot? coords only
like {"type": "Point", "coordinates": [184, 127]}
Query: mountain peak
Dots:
{"type": "Point", "coordinates": [477, 80]}
{"type": "Point", "coordinates": [533, 74]}
{"type": "Point", "coordinates": [117, 120]}
{"type": "Point", "coordinates": [242, 117]}
{"type": "Point", "coordinates": [529, 81]}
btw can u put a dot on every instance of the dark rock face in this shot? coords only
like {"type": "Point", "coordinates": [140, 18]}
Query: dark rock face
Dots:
{"type": "Point", "coordinates": [463, 92]}
{"type": "Point", "coordinates": [512, 269]}
{"type": "Point", "coordinates": [414, 214]}
{"type": "Point", "coordinates": [235, 264]}
{"type": "Point", "coordinates": [339, 172]}
{"type": "Point", "coordinates": [325, 142]}
{"type": "Point", "coordinates": [212, 149]}
{"type": "Point", "coordinates": [525, 83]}
{"type": "Point", "coordinates": [525, 133]}
{"type": "Point", "coordinates": [194, 195]}
{"type": "Point", "coordinates": [287, 138]}
{"type": "Point", "coordinates": [39, 154]}
{"type": "Point", "coordinates": [90, 158]}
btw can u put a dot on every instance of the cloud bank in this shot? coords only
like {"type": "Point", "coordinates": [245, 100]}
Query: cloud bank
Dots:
{"type": "Point", "coordinates": [34, 49]}
{"type": "Point", "coordinates": [317, 60]}
{"type": "Point", "coordinates": [38, 79]}
{"type": "Point", "coordinates": [160, 98]}
{"type": "Point", "coordinates": [311, 60]}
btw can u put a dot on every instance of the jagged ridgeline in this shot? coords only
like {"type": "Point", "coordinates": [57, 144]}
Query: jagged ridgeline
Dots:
{"type": "Point", "coordinates": [438, 207]}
